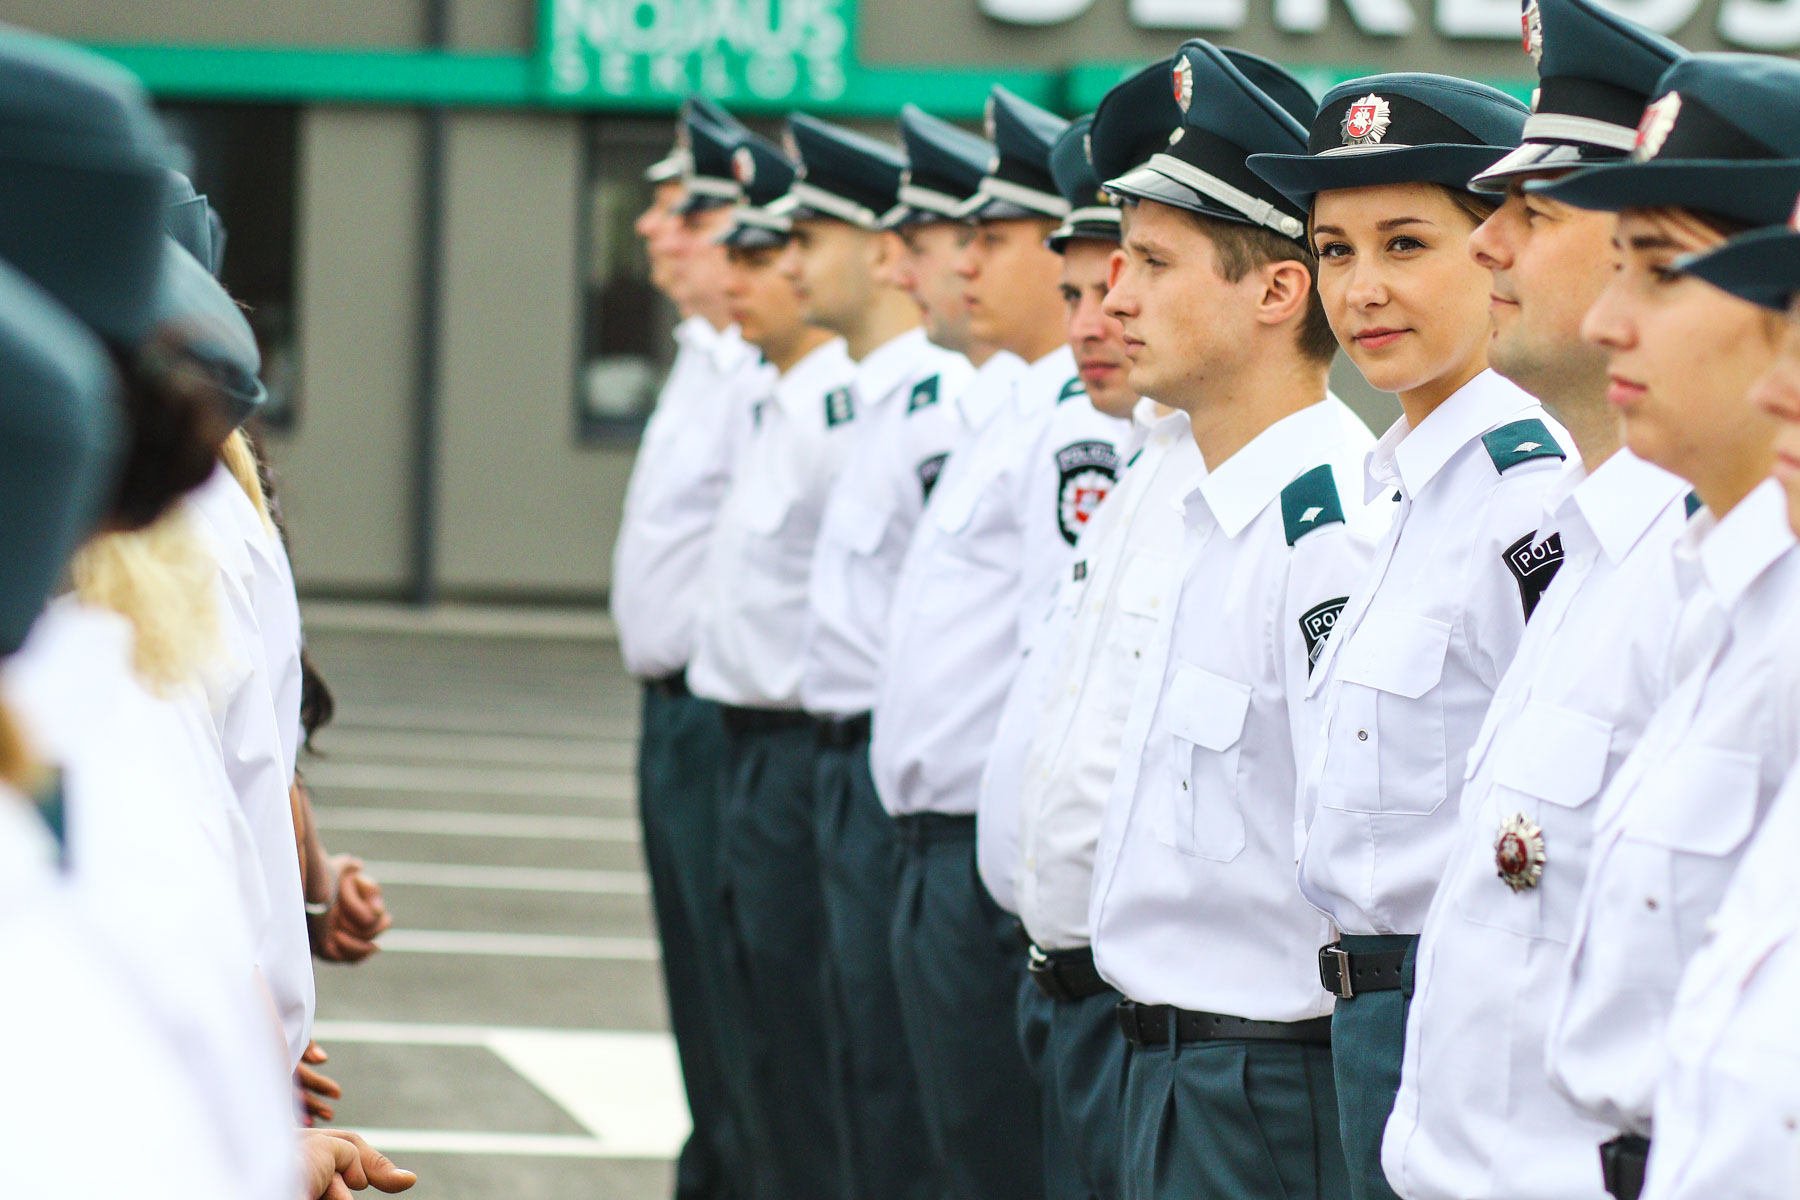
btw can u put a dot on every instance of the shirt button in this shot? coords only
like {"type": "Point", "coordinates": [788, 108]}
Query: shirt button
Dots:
{"type": "Point", "coordinates": [1650, 903]}
{"type": "Point", "coordinates": [1362, 735]}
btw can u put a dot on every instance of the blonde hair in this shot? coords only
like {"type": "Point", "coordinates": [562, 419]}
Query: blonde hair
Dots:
{"type": "Point", "coordinates": [240, 460]}
{"type": "Point", "coordinates": [160, 579]}
{"type": "Point", "coordinates": [18, 766]}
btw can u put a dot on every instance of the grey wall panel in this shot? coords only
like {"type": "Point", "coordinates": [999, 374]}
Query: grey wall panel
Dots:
{"type": "Point", "coordinates": [334, 23]}
{"type": "Point", "coordinates": [345, 467]}
{"type": "Point", "coordinates": [493, 25]}
{"type": "Point", "coordinates": [522, 507]}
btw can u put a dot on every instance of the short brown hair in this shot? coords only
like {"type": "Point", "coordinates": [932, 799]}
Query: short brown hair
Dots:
{"type": "Point", "coordinates": [1240, 248]}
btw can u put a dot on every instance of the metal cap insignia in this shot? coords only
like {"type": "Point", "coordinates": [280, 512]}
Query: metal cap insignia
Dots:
{"type": "Point", "coordinates": [1519, 852]}
{"type": "Point", "coordinates": [1184, 82]}
{"type": "Point", "coordinates": [743, 166]}
{"type": "Point", "coordinates": [987, 119]}
{"type": "Point", "coordinates": [1532, 25]}
{"type": "Point", "coordinates": [1366, 121]}
{"type": "Point", "coordinates": [1654, 129]}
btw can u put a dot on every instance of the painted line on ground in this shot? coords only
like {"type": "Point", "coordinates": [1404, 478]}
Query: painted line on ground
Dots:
{"type": "Point", "coordinates": [519, 945]}
{"type": "Point", "coordinates": [444, 823]}
{"type": "Point", "coordinates": [509, 879]}
{"type": "Point", "coordinates": [488, 720]}
{"type": "Point", "coordinates": [389, 777]}
{"type": "Point", "coordinates": [367, 744]}
{"type": "Point", "coordinates": [397, 1142]}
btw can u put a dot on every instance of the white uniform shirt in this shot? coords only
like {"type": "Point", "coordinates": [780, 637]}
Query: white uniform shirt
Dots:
{"type": "Point", "coordinates": [683, 466]}
{"type": "Point", "coordinates": [152, 866]}
{"type": "Point", "coordinates": [1194, 901]}
{"type": "Point", "coordinates": [1057, 744]}
{"type": "Point", "coordinates": [907, 424]}
{"type": "Point", "coordinates": [1417, 654]}
{"type": "Point", "coordinates": [996, 538]}
{"type": "Point", "coordinates": [1476, 1118]}
{"type": "Point", "coordinates": [1673, 822]}
{"type": "Point", "coordinates": [753, 606]}
{"type": "Point", "coordinates": [96, 1103]}
{"type": "Point", "coordinates": [1728, 1101]}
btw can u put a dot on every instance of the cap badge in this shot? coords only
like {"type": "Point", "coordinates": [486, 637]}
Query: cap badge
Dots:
{"type": "Point", "coordinates": [1519, 852]}
{"type": "Point", "coordinates": [1175, 135]}
{"type": "Point", "coordinates": [1794, 221]}
{"type": "Point", "coordinates": [743, 166]}
{"type": "Point", "coordinates": [1366, 122]}
{"type": "Point", "coordinates": [1654, 129]}
{"type": "Point", "coordinates": [1184, 82]}
{"type": "Point", "coordinates": [987, 119]}
{"type": "Point", "coordinates": [1087, 146]}
{"type": "Point", "coordinates": [1532, 24]}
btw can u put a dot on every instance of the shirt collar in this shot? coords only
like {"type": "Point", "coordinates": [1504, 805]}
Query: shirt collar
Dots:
{"type": "Point", "coordinates": [1618, 501]}
{"type": "Point", "coordinates": [1040, 384]}
{"type": "Point", "coordinates": [725, 348]}
{"type": "Point", "coordinates": [883, 369]}
{"type": "Point", "coordinates": [825, 367]}
{"type": "Point", "coordinates": [990, 386]}
{"type": "Point", "coordinates": [1732, 552]}
{"type": "Point", "coordinates": [1411, 458]}
{"type": "Point", "coordinates": [1243, 485]}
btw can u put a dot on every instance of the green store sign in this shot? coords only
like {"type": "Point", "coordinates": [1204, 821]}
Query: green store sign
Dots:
{"type": "Point", "coordinates": [769, 51]}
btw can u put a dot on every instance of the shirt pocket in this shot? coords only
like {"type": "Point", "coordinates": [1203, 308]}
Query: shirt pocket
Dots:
{"type": "Point", "coordinates": [857, 527]}
{"type": "Point", "coordinates": [1547, 765]}
{"type": "Point", "coordinates": [1387, 752]}
{"type": "Point", "coordinates": [1146, 585]}
{"type": "Point", "coordinates": [1204, 715]}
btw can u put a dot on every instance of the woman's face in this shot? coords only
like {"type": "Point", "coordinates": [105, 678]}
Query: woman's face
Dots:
{"type": "Point", "coordinates": [1406, 300]}
{"type": "Point", "coordinates": [1777, 393]}
{"type": "Point", "coordinates": [1682, 356]}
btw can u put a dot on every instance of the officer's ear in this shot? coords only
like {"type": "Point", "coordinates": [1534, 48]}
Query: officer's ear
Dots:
{"type": "Point", "coordinates": [1286, 291]}
{"type": "Point", "coordinates": [889, 250]}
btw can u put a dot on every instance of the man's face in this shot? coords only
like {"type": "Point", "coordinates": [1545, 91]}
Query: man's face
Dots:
{"type": "Point", "coordinates": [1097, 339]}
{"type": "Point", "coordinates": [703, 259]}
{"type": "Point", "coordinates": [1549, 263]}
{"type": "Point", "coordinates": [932, 251]}
{"type": "Point", "coordinates": [761, 297]}
{"type": "Point", "coordinates": [1183, 324]}
{"type": "Point", "coordinates": [832, 268]}
{"type": "Point", "coordinates": [661, 230]}
{"type": "Point", "coordinates": [1010, 283]}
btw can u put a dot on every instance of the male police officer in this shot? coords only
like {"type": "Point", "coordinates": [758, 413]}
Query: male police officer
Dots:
{"type": "Point", "coordinates": [1584, 682]}
{"type": "Point", "coordinates": [1198, 845]}
{"type": "Point", "coordinates": [683, 466]}
{"type": "Point", "coordinates": [845, 265]}
{"type": "Point", "coordinates": [995, 538]}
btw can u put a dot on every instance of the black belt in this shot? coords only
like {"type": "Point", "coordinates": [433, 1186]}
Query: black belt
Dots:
{"type": "Point", "coordinates": [843, 733]}
{"type": "Point", "coordinates": [1622, 1164]}
{"type": "Point", "coordinates": [1066, 975]}
{"type": "Point", "coordinates": [1345, 974]}
{"type": "Point", "coordinates": [739, 721]}
{"type": "Point", "coordinates": [1148, 1025]}
{"type": "Point", "coordinates": [670, 687]}
{"type": "Point", "coordinates": [928, 829]}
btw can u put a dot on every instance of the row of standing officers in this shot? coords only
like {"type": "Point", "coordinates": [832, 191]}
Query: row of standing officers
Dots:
{"type": "Point", "coordinates": [1079, 760]}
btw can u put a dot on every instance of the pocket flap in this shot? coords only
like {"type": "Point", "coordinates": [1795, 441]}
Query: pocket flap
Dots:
{"type": "Point", "coordinates": [1146, 584]}
{"type": "Point", "coordinates": [764, 509]}
{"type": "Point", "coordinates": [857, 526]}
{"type": "Point", "coordinates": [1396, 652]}
{"type": "Point", "coordinates": [1206, 709]}
{"type": "Point", "coordinates": [1701, 800]}
{"type": "Point", "coordinates": [1555, 754]}
{"type": "Point", "coordinates": [952, 510]}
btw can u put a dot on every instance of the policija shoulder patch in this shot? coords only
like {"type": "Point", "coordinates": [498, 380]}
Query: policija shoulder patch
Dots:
{"type": "Point", "coordinates": [928, 472]}
{"type": "Point", "coordinates": [1316, 624]}
{"type": "Point", "coordinates": [924, 395]}
{"type": "Point", "coordinates": [1071, 389]}
{"type": "Point", "coordinates": [1085, 473]}
{"type": "Point", "coordinates": [838, 407]}
{"type": "Point", "coordinates": [1534, 566]}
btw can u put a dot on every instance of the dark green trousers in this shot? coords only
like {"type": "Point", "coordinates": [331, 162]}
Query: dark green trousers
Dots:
{"type": "Point", "coordinates": [957, 969]}
{"type": "Point", "coordinates": [1368, 1042]}
{"type": "Point", "coordinates": [681, 750]}
{"type": "Point", "coordinates": [776, 930]}
{"type": "Point", "coordinates": [1074, 1050]}
{"type": "Point", "coordinates": [881, 1125]}
{"type": "Point", "coordinates": [1231, 1120]}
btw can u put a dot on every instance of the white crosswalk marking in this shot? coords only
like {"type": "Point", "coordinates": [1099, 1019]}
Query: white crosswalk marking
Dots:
{"type": "Point", "coordinates": [476, 824]}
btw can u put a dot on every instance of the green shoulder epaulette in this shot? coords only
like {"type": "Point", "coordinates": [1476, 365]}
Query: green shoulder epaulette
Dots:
{"type": "Point", "coordinates": [1071, 389]}
{"type": "Point", "coordinates": [1519, 442]}
{"type": "Point", "coordinates": [924, 394]}
{"type": "Point", "coordinates": [1310, 502]}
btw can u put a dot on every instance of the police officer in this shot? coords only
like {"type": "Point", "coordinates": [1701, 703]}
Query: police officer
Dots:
{"type": "Point", "coordinates": [1715, 149]}
{"type": "Point", "coordinates": [994, 541]}
{"type": "Point", "coordinates": [1199, 836]}
{"type": "Point", "coordinates": [848, 263]}
{"type": "Point", "coordinates": [683, 466]}
{"type": "Point", "coordinates": [1598, 656]}
{"type": "Point", "coordinates": [1066, 1021]}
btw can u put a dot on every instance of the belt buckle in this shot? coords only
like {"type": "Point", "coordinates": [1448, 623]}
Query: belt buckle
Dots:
{"type": "Point", "coordinates": [1345, 990]}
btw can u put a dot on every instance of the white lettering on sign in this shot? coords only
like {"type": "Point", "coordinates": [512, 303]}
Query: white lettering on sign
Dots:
{"type": "Point", "coordinates": [1752, 24]}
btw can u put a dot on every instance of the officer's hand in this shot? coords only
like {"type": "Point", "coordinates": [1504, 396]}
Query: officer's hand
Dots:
{"type": "Point", "coordinates": [358, 916]}
{"type": "Point", "coordinates": [315, 1088]}
{"type": "Point", "coordinates": [336, 1162]}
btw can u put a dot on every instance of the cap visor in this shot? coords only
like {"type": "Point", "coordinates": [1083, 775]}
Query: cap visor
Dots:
{"type": "Point", "coordinates": [1762, 267]}
{"type": "Point", "coordinates": [1757, 193]}
{"type": "Point", "coordinates": [695, 202]}
{"type": "Point", "coordinates": [1300, 177]}
{"type": "Point", "coordinates": [1535, 157]}
{"type": "Point", "coordinates": [1093, 231]}
{"type": "Point", "coordinates": [982, 207]}
{"type": "Point", "coordinates": [1147, 183]}
{"type": "Point", "coordinates": [751, 237]}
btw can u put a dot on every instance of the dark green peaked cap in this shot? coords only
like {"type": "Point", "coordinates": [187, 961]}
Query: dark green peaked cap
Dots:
{"type": "Point", "coordinates": [1520, 442]}
{"type": "Point", "coordinates": [1310, 502]}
